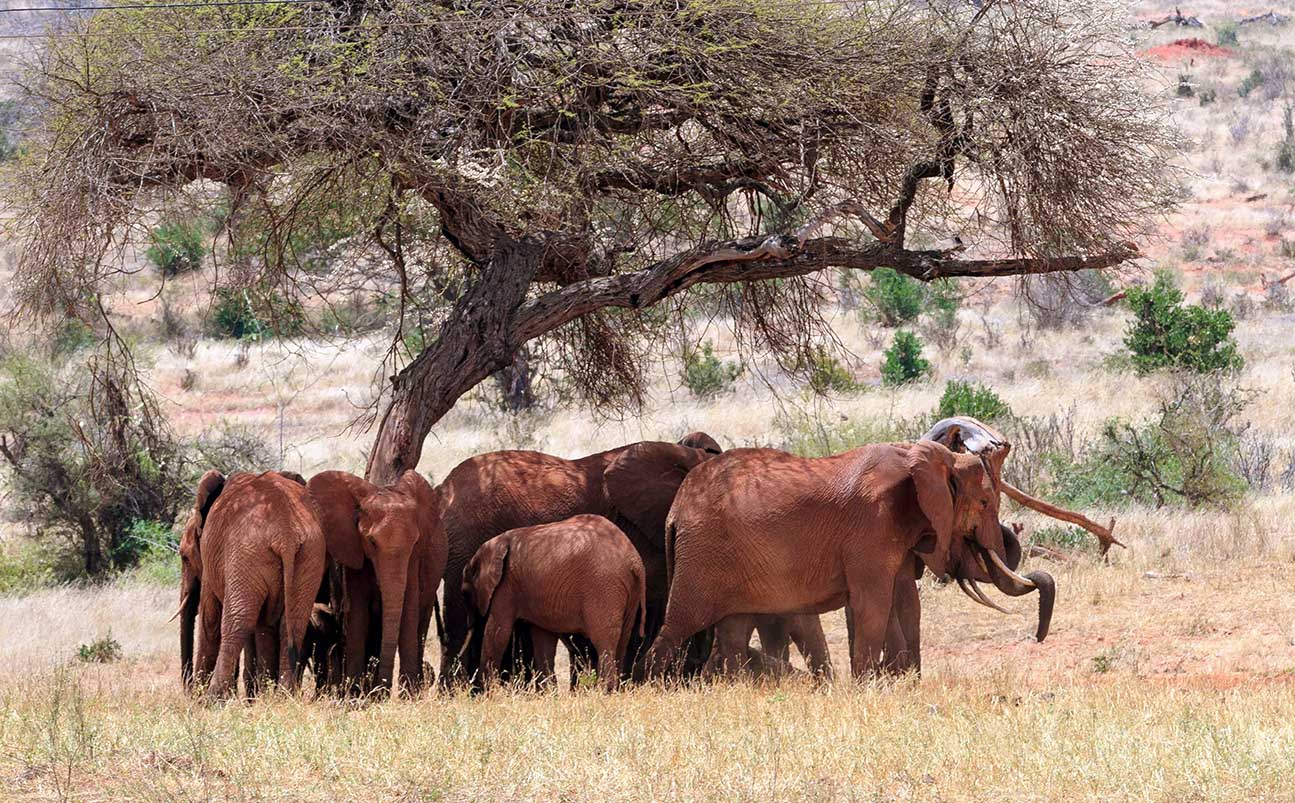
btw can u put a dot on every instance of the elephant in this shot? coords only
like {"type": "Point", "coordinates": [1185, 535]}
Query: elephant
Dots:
{"type": "Point", "coordinates": [777, 634]}
{"type": "Point", "coordinates": [903, 641]}
{"type": "Point", "coordinates": [389, 547]}
{"type": "Point", "coordinates": [633, 486]}
{"type": "Point", "coordinates": [252, 556]}
{"type": "Point", "coordinates": [762, 531]}
{"type": "Point", "coordinates": [581, 575]}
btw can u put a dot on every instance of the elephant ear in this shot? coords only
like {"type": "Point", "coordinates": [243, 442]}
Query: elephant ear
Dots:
{"type": "Point", "coordinates": [491, 560]}
{"type": "Point", "coordinates": [426, 500]}
{"type": "Point", "coordinates": [209, 488]}
{"type": "Point", "coordinates": [931, 467]}
{"type": "Point", "coordinates": [642, 481]}
{"type": "Point", "coordinates": [338, 496]}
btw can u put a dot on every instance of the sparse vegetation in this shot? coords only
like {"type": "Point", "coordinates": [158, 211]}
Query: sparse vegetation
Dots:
{"type": "Point", "coordinates": [177, 245]}
{"type": "Point", "coordinates": [705, 375]}
{"type": "Point", "coordinates": [104, 650]}
{"type": "Point", "coordinates": [827, 375]}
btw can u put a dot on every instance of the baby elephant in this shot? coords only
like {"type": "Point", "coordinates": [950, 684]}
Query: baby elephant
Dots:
{"type": "Point", "coordinates": [578, 576]}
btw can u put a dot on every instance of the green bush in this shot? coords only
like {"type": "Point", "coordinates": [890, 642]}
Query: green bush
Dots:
{"type": "Point", "coordinates": [1251, 82]}
{"type": "Point", "coordinates": [87, 456]}
{"type": "Point", "coordinates": [1165, 333]}
{"type": "Point", "coordinates": [254, 314]}
{"type": "Point", "coordinates": [70, 336]}
{"type": "Point", "coordinates": [31, 565]}
{"type": "Point", "coordinates": [828, 375]}
{"type": "Point", "coordinates": [150, 546]}
{"type": "Point", "coordinates": [1185, 456]}
{"type": "Point", "coordinates": [705, 375]}
{"type": "Point", "coordinates": [896, 298]}
{"type": "Point", "coordinates": [177, 245]}
{"type": "Point", "coordinates": [106, 650]}
{"type": "Point", "coordinates": [903, 362]}
{"type": "Point", "coordinates": [971, 399]}
{"type": "Point", "coordinates": [1226, 33]}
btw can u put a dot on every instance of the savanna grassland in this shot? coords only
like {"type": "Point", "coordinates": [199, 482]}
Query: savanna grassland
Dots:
{"type": "Point", "coordinates": [1169, 673]}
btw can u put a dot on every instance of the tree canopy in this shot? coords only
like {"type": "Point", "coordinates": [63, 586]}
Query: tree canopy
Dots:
{"type": "Point", "coordinates": [549, 170]}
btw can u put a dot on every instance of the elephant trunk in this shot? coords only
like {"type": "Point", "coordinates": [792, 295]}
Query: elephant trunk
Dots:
{"type": "Point", "coordinates": [188, 618]}
{"type": "Point", "coordinates": [1015, 585]}
{"type": "Point", "coordinates": [392, 586]}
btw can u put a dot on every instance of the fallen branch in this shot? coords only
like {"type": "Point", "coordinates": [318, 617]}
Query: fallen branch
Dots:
{"type": "Point", "coordinates": [1178, 19]}
{"type": "Point", "coordinates": [1041, 551]}
{"type": "Point", "coordinates": [1263, 279]}
{"type": "Point", "coordinates": [1112, 299]}
{"type": "Point", "coordinates": [1104, 534]}
{"type": "Point", "coordinates": [1272, 18]}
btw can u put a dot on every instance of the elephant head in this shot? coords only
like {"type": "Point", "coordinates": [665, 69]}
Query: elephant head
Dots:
{"type": "Point", "coordinates": [383, 526]}
{"type": "Point", "coordinates": [700, 440]}
{"type": "Point", "coordinates": [996, 559]}
{"type": "Point", "coordinates": [209, 488]}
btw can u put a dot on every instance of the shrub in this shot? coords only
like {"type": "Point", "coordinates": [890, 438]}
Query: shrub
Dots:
{"type": "Point", "coordinates": [1251, 82]}
{"type": "Point", "coordinates": [152, 539]}
{"type": "Point", "coordinates": [896, 298]}
{"type": "Point", "coordinates": [177, 245]}
{"type": "Point", "coordinates": [971, 399]}
{"type": "Point", "coordinates": [1185, 88]}
{"type": "Point", "coordinates": [1208, 96]}
{"type": "Point", "coordinates": [903, 361]}
{"type": "Point", "coordinates": [943, 298]}
{"type": "Point", "coordinates": [87, 456]}
{"type": "Point", "coordinates": [828, 375]}
{"type": "Point", "coordinates": [70, 336]}
{"type": "Point", "coordinates": [1184, 456]}
{"type": "Point", "coordinates": [1057, 300]}
{"type": "Point", "coordinates": [1164, 333]}
{"type": "Point", "coordinates": [810, 435]}
{"type": "Point", "coordinates": [230, 449]}
{"type": "Point", "coordinates": [705, 375]}
{"type": "Point", "coordinates": [254, 314]}
{"type": "Point", "coordinates": [30, 565]}
{"type": "Point", "coordinates": [106, 650]}
{"type": "Point", "coordinates": [1226, 33]}
{"type": "Point", "coordinates": [1285, 160]}
{"type": "Point", "coordinates": [1068, 539]}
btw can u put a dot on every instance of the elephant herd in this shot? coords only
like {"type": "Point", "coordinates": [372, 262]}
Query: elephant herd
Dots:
{"type": "Point", "coordinates": [648, 560]}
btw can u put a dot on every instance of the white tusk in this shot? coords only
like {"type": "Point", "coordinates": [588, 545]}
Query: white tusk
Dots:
{"type": "Point", "coordinates": [1002, 567]}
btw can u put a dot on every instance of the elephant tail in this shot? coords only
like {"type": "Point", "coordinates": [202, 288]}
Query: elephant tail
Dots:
{"type": "Point", "coordinates": [670, 531]}
{"type": "Point", "coordinates": [440, 623]}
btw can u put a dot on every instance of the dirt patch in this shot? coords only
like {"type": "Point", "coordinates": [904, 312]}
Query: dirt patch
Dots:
{"type": "Point", "coordinates": [1180, 49]}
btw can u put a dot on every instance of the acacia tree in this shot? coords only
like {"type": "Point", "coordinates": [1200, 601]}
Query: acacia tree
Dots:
{"type": "Point", "coordinates": [566, 173]}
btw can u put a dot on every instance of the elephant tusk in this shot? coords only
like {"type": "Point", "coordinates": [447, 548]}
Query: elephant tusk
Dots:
{"type": "Point", "coordinates": [1002, 567]}
{"type": "Point", "coordinates": [978, 596]}
{"type": "Point", "coordinates": [183, 601]}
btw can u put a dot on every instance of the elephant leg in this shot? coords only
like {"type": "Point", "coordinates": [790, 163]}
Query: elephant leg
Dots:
{"type": "Point", "coordinates": [807, 634]}
{"type": "Point", "coordinates": [905, 627]}
{"type": "Point", "coordinates": [411, 660]}
{"type": "Point", "coordinates": [583, 655]}
{"type": "Point", "coordinates": [775, 636]}
{"type": "Point", "coordinates": [209, 616]}
{"type": "Point", "coordinates": [494, 641]}
{"type": "Point", "coordinates": [355, 629]}
{"type": "Point", "coordinates": [236, 626]}
{"type": "Point", "coordinates": [728, 656]}
{"type": "Point", "coordinates": [457, 664]}
{"type": "Point", "coordinates": [263, 652]}
{"type": "Point", "coordinates": [870, 601]}
{"type": "Point", "coordinates": [609, 671]}
{"type": "Point", "coordinates": [686, 615]}
{"type": "Point", "coordinates": [545, 643]}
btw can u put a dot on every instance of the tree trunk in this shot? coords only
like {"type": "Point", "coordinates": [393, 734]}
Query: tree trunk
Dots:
{"type": "Point", "coordinates": [474, 342]}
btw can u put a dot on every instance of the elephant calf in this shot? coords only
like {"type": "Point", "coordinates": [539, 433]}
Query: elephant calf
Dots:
{"type": "Point", "coordinates": [578, 576]}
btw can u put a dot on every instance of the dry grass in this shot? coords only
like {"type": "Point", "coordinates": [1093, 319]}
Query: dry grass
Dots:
{"type": "Point", "coordinates": [1169, 675]}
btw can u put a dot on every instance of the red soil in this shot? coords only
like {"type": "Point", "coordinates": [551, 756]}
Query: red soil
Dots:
{"type": "Point", "coordinates": [1180, 49]}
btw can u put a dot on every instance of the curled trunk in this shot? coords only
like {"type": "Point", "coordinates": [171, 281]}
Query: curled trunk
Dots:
{"type": "Point", "coordinates": [1015, 585]}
